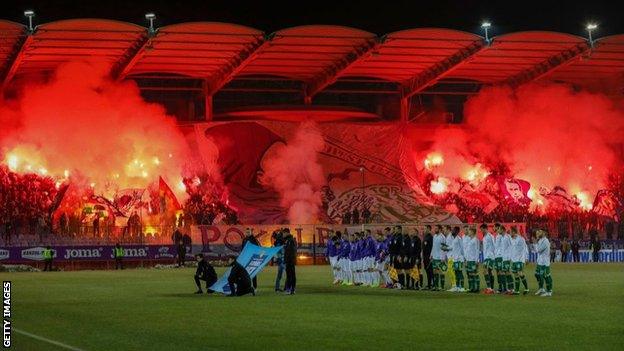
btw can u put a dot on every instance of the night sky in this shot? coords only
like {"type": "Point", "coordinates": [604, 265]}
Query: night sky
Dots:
{"type": "Point", "coordinates": [381, 17]}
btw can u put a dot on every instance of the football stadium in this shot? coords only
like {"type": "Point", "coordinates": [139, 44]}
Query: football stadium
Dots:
{"type": "Point", "coordinates": [210, 184]}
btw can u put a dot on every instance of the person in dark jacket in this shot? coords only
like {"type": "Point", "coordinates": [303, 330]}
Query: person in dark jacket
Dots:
{"type": "Point", "coordinates": [355, 216]}
{"type": "Point", "coordinates": [406, 263]}
{"type": "Point", "coordinates": [290, 260]}
{"type": "Point", "coordinates": [414, 257]}
{"type": "Point", "coordinates": [250, 238]}
{"type": "Point", "coordinates": [206, 272]}
{"type": "Point", "coordinates": [181, 250]}
{"type": "Point", "coordinates": [239, 281]}
{"type": "Point", "coordinates": [595, 247]}
{"type": "Point", "coordinates": [427, 244]}
{"type": "Point", "coordinates": [575, 250]}
{"type": "Point", "coordinates": [366, 215]}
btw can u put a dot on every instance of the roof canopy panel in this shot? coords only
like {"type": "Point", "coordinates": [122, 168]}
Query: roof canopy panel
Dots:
{"type": "Point", "coordinates": [315, 55]}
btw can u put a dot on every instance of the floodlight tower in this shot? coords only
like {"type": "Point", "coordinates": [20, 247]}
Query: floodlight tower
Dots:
{"type": "Point", "coordinates": [150, 17]}
{"type": "Point", "coordinates": [486, 26]}
{"type": "Point", "coordinates": [30, 14]}
{"type": "Point", "coordinates": [590, 28]}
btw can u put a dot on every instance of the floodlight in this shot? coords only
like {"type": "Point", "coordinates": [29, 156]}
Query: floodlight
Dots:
{"type": "Point", "coordinates": [30, 14]}
{"type": "Point", "coordinates": [150, 16]}
{"type": "Point", "coordinates": [590, 27]}
{"type": "Point", "coordinates": [486, 25]}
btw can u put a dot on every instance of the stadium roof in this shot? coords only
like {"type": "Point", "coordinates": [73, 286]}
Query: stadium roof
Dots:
{"type": "Point", "coordinates": [317, 56]}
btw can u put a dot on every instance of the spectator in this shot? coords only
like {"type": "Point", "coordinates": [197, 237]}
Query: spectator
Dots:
{"type": "Point", "coordinates": [346, 217]}
{"type": "Point", "coordinates": [355, 216]}
{"type": "Point", "coordinates": [595, 248]}
{"type": "Point", "coordinates": [366, 215]}
{"type": "Point", "coordinates": [575, 250]}
{"type": "Point", "coordinates": [565, 249]}
{"type": "Point", "coordinates": [96, 226]}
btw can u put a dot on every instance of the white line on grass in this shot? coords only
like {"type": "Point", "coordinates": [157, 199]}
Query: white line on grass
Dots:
{"type": "Point", "coordinates": [50, 341]}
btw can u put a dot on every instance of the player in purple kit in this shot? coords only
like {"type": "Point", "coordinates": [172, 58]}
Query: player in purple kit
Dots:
{"type": "Point", "coordinates": [369, 258]}
{"type": "Point", "coordinates": [344, 262]}
{"type": "Point", "coordinates": [332, 255]}
{"type": "Point", "coordinates": [381, 262]}
{"type": "Point", "coordinates": [353, 259]}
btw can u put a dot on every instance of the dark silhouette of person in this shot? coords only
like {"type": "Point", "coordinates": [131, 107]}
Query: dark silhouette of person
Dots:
{"type": "Point", "coordinates": [239, 281]}
{"type": "Point", "coordinates": [206, 272]}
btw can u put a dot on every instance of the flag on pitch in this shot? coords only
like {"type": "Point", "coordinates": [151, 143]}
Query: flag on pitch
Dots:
{"type": "Point", "coordinates": [254, 258]}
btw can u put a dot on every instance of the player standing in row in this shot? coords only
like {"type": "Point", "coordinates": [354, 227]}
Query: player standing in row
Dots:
{"type": "Point", "coordinates": [381, 260]}
{"type": "Point", "coordinates": [542, 271]}
{"type": "Point", "coordinates": [498, 261]}
{"type": "Point", "coordinates": [457, 256]}
{"type": "Point", "coordinates": [519, 255]}
{"type": "Point", "coordinates": [354, 257]}
{"type": "Point", "coordinates": [415, 252]}
{"type": "Point", "coordinates": [332, 255]}
{"type": "Point", "coordinates": [471, 255]}
{"type": "Point", "coordinates": [506, 253]}
{"type": "Point", "coordinates": [489, 256]}
{"type": "Point", "coordinates": [343, 260]}
{"type": "Point", "coordinates": [369, 258]}
{"type": "Point", "coordinates": [448, 239]}
{"type": "Point", "coordinates": [438, 259]}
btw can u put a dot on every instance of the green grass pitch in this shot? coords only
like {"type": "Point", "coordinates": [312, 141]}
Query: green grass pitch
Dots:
{"type": "Point", "coordinates": [149, 309]}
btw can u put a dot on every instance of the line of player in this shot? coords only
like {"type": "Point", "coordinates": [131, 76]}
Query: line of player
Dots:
{"type": "Point", "coordinates": [394, 260]}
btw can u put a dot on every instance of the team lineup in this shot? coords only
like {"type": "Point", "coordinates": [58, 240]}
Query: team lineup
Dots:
{"type": "Point", "coordinates": [393, 259]}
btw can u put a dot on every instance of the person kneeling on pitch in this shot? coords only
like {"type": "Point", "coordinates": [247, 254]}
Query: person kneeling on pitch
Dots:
{"type": "Point", "coordinates": [206, 272]}
{"type": "Point", "coordinates": [239, 281]}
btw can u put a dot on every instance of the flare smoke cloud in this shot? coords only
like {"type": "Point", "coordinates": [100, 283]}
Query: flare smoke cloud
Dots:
{"type": "Point", "coordinates": [295, 172]}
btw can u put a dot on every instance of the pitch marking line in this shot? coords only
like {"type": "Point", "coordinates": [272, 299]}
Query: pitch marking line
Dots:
{"type": "Point", "coordinates": [50, 341]}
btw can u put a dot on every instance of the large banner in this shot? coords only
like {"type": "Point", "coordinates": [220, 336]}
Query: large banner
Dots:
{"type": "Point", "coordinates": [360, 162]}
{"type": "Point", "coordinates": [254, 258]}
{"type": "Point", "coordinates": [87, 253]}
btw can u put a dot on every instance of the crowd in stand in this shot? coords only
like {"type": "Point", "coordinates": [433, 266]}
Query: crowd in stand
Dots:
{"type": "Point", "coordinates": [25, 201]}
{"type": "Point", "coordinates": [360, 216]}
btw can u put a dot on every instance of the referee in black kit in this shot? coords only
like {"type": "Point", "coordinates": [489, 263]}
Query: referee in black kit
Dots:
{"type": "Point", "coordinates": [427, 243]}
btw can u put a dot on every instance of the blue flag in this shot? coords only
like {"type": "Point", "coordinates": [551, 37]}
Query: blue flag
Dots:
{"type": "Point", "coordinates": [254, 258]}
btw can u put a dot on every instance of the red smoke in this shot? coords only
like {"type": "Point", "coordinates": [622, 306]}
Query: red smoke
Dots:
{"type": "Point", "coordinates": [84, 126]}
{"type": "Point", "coordinates": [295, 172]}
{"type": "Point", "coordinates": [548, 135]}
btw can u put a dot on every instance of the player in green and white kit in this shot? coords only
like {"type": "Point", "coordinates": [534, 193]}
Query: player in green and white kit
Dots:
{"type": "Point", "coordinates": [498, 259]}
{"type": "Point", "coordinates": [508, 280]}
{"type": "Point", "coordinates": [519, 255]}
{"type": "Point", "coordinates": [438, 259]}
{"type": "Point", "coordinates": [489, 247]}
{"type": "Point", "coordinates": [471, 255]}
{"type": "Point", "coordinates": [457, 255]}
{"type": "Point", "coordinates": [542, 271]}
